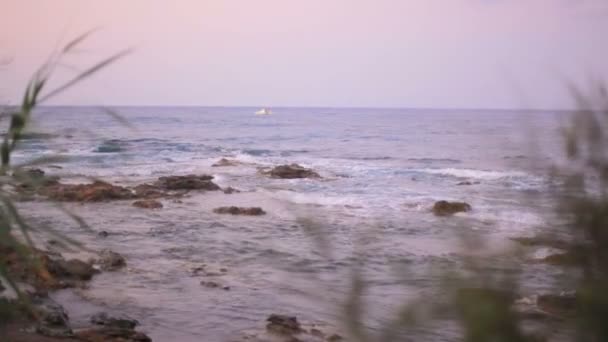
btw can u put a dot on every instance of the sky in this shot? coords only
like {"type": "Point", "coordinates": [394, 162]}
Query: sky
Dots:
{"type": "Point", "coordinates": [335, 53]}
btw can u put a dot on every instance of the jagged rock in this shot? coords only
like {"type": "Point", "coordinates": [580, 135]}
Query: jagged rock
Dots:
{"type": "Point", "coordinates": [445, 208]}
{"type": "Point", "coordinates": [104, 319]}
{"type": "Point", "coordinates": [252, 211]}
{"type": "Point", "coordinates": [111, 261]}
{"type": "Point", "coordinates": [291, 172]}
{"type": "Point", "coordinates": [148, 204]}
{"type": "Point", "coordinates": [189, 182]}
{"type": "Point", "coordinates": [284, 325]}
{"type": "Point", "coordinates": [94, 192]}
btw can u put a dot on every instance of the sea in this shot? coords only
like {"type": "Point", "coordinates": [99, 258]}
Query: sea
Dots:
{"type": "Point", "coordinates": [367, 219]}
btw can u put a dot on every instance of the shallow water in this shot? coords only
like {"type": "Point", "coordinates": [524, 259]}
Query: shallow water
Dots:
{"type": "Point", "coordinates": [382, 170]}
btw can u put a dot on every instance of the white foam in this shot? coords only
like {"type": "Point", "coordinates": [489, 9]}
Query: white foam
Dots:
{"type": "Point", "coordinates": [475, 174]}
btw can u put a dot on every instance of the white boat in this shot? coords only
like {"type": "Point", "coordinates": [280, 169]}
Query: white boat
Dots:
{"type": "Point", "coordinates": [263, 111]}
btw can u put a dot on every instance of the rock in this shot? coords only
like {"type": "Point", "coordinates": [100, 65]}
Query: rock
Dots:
{"type": "Point", "coordinates": [252, 211]}
{"type": "Point", "coordinates": [335, 338]}
{"type": "Point", "coordinates": [230, 190]}
{"type": "Point", "coordinates": [95, 192]}
{"type": "Point", "coordinates": [284, 325]}
{"type": "Point", "coordinates": [148, 191]}
{"type": "Point", "coordinates": [111, 334]}
{"type": "Point", "coordinates": [148, 204]}
{"type": "Point", "coordinates": [569, 258]}
{"type": "Point", "coordinates": [562, 305]}
{"type": "Point", "coordinates": [103, 234]}
{"type": "Point", "coordinates": [52, 319]}
{"type": "Point", "coordinates": [73, 268]}
{"type": "Point", "coordinates": [445, 208]}
{"type": "Point", "coordinates": [214, 285]}
{"type": "Point", "coordinates": [291, 172]}
{"type": "Point", "coordinates": [537, 241]}
{"type": "Point", "coordinates": [104, 319]}
{"type": "Point", "coordinates": [189, 182]}
{"type": "Point", "coordinates": [111, 261]}
{"type": "Point", "coordinates": [464, 183]}
{"type": "Point", "coordinates": [317, 333]}
{"type": "Point", "coordinates": [225, 162]}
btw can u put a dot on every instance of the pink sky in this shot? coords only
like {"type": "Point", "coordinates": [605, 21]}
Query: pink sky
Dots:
{"type": "Point", "coordinates": [425, 53]}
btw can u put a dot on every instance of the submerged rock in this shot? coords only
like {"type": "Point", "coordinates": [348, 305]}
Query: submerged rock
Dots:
{"type": "Point", "coordinates": [111, 261]}
{"type": "Point", "coordinates": [94, 192]}
{"type": "Point", "coordinates": [569, 258]}
{"type": "Point", "coordinates": [225, 162]}
{"type": "Point", "coordinates": [104, 319]}
{"type": "Point", "coordinates": [189, 182]}
{"type": "Point", "coordinates": [230, 190]}
{"type": "Point", "coordinates": [291, 172]}
{"type": "Point", "coordinates": [252, 211]}
{"type": "Point", "coordinates": [445, 208]}
{"type": "Point", "coordinates": [537, 241]}
{"type": "Point", "coordinates": [283, 325]}
{"type": "Point", "coordinates": [148, 204]}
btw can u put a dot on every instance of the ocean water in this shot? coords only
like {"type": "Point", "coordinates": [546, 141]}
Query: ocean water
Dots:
{"type": "Point", "coordinates": [382, 170]}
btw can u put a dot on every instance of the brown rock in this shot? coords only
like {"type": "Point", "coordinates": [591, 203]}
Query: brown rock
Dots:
{"type": "Point", "coordinates": [73, 268]}
{"type": "Point", "coordinates": [148, 204]}
{"type": "Point", "coordinates": [282, 324]}
{"type": "Point", "coordinates": [110, 261]}
{"type": "Point", "coordinates": [562, 305]}
{"type": "Point", "coordinates": [94, 192]}
{"type": "Point", "coordinates": [569, 258]}
{"type": "Point", "coordinates": [111, 334]}
{"type": "Point", "coordinates": [252, 211]}
{"type": "Point", "coordinates": [445, 208]}
{"type": "Point", "coordinates": [189, 182]}
{"type": "Point", "coordinates": [335, 338]}
{"type": "Point", "coordinates": [291, 172]}
{"type": "Point", "coordinates": [147, 191]}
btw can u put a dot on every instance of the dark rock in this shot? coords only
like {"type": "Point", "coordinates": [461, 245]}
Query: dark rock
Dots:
{"type": "Point", "coordinates": [210, 284]}
{"type": "Point", "coordinates": [73, 268]}
{"type": "Point", "coordinates": [569, 258]}
{"type": "Point", "coordinates": [284, 325]}
{"type": "Point", "coordinates": [466, 183]}
{"type": "Point", "coordinates": [445, 208]}
{"type": "Point", "coordinates": [95, 192]}
{"type": "Point", "coordinates": [148, 204]}
{"type": "Point", "coordinates": [335, 338]}
{"type": "Point", "coordinates": [292, 171]}
{"type": "Point", "coordinates": [103, 233]}
{"type": "Point", "coordinates": [111, 334]}
{"type": "Point", "coordinates": [104, 319]}
{"type": "Point", "coordinates": [252, 211]}
{"type": "Point", "coordinates": [317, 333]}
{"type": "Point", "coordinates": [110, 261]}
{"type": "Point", "coordinates": [537, 241]}
{"type": "Point", "coordinates": [230, 190]}
{"type": "Point", "coordinates": [53, 321]}
{"type": "Point", "coordinates": [563, 305]}
{"type": "Point", "coordinates": [189, 182]}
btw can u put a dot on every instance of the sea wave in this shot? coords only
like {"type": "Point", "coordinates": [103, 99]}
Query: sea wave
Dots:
{"type": "Point", "coordinates": [487, 175]}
